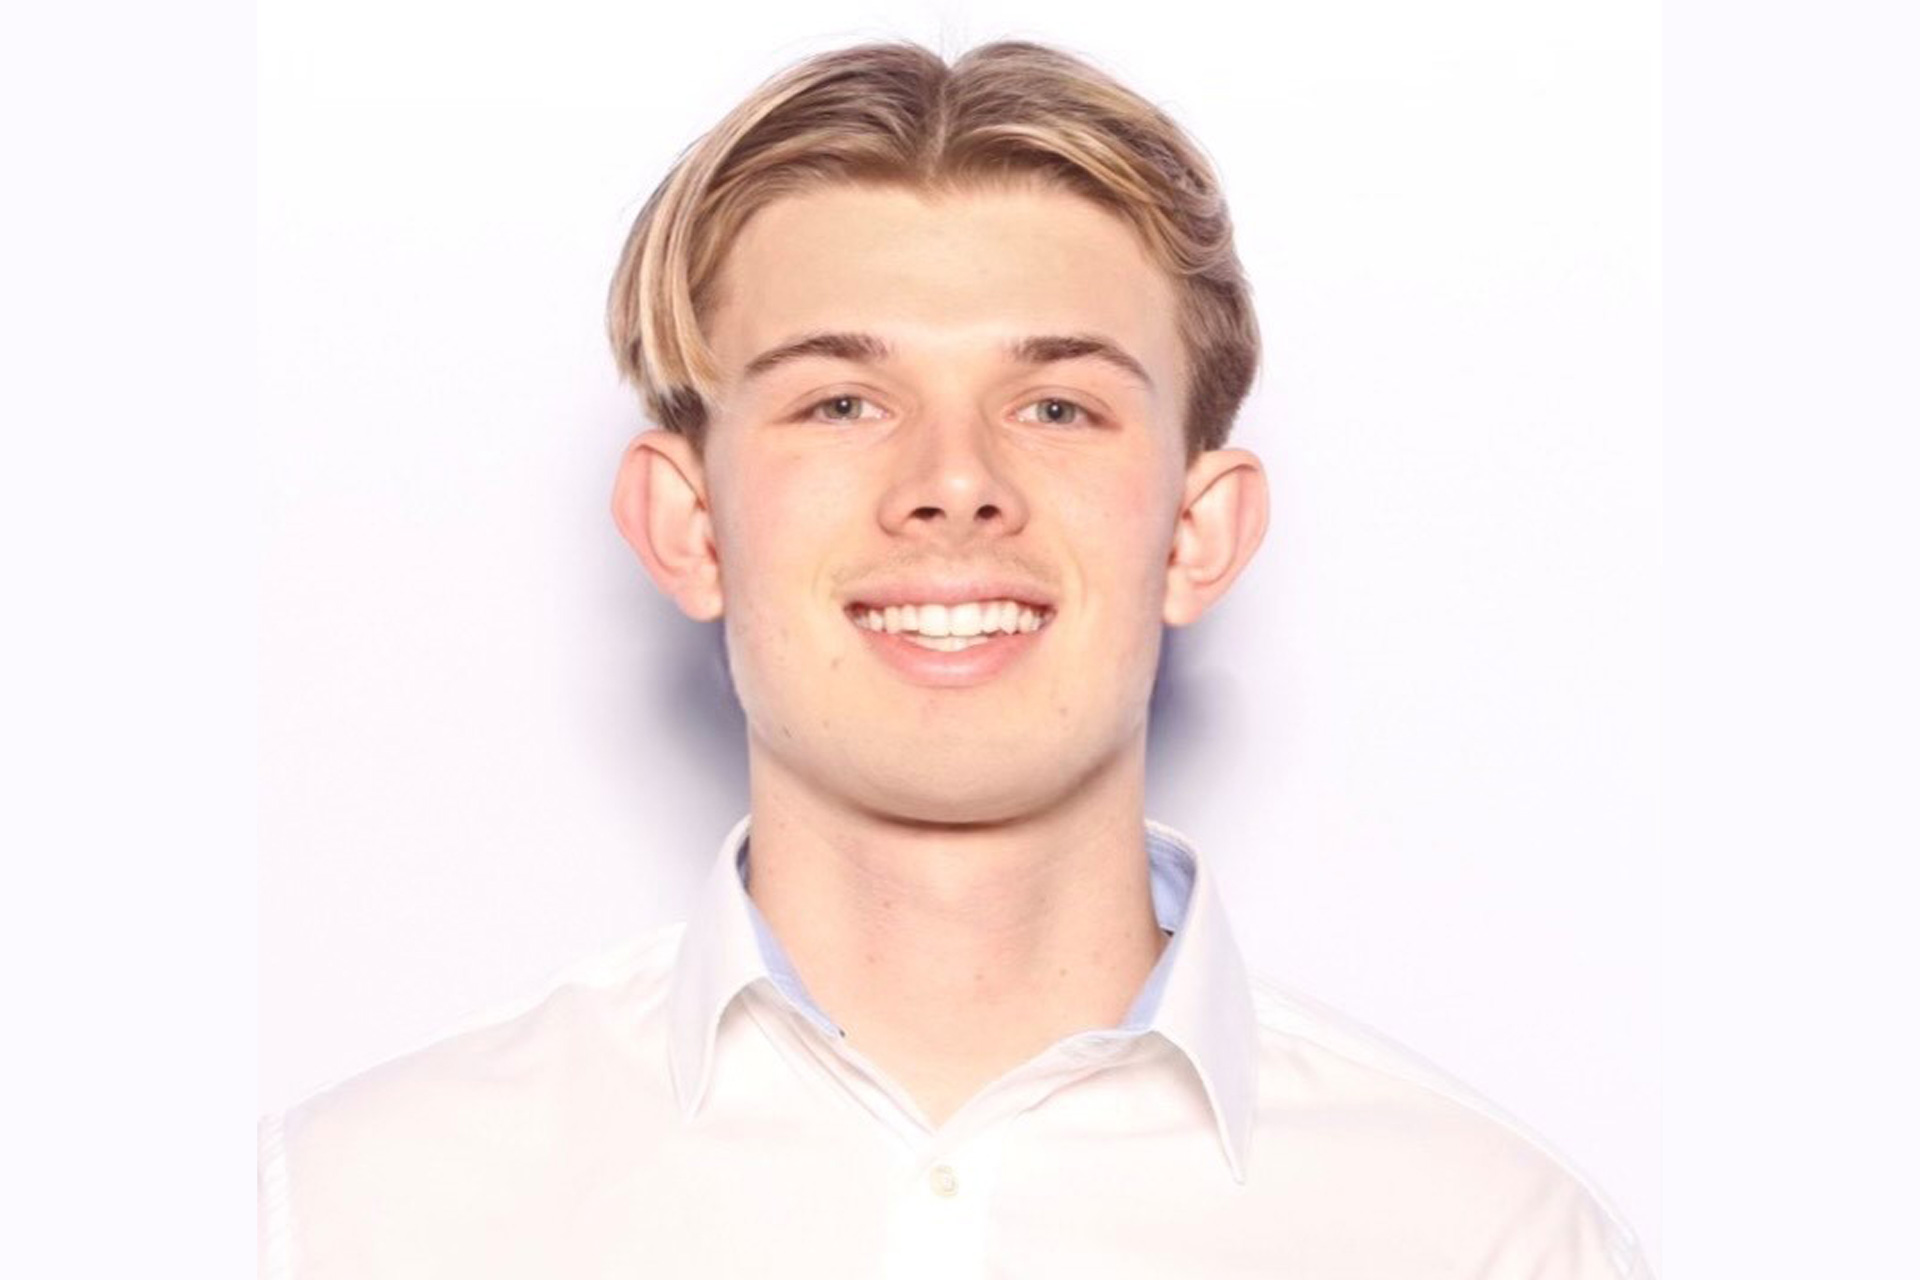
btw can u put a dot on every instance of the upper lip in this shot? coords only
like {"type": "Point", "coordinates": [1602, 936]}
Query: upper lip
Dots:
{"type": "Point", "coordinates": [948, 591]}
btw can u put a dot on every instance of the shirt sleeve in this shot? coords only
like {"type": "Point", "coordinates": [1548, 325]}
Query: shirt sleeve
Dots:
{"type": "Point", "coordinates": [276, 1225]}
{"type": "Point", "coordinates": [1584, 1238]}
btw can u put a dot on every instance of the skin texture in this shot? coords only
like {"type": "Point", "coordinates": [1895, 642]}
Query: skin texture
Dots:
{"type": "Point", "coordinates": [959, 874]}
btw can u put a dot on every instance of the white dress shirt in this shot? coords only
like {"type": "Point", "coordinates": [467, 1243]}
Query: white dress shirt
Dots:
{"type": "Point", "coordinates": [681, 1107]}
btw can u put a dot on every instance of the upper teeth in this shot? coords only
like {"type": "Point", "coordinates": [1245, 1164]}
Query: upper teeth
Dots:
{"type": "Point", "coordinates": [975, 617]}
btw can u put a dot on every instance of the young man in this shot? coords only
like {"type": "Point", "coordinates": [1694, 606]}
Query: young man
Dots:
{"type": "Point", "coordinates": [944, 359]}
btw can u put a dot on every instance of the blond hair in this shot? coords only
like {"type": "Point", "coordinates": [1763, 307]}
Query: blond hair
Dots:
{"type": "Point", "coordinates": [1004, 113]}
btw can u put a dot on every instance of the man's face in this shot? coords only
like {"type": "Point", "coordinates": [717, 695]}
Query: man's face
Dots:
{"type": "Point", "coordinates": [840, 482]}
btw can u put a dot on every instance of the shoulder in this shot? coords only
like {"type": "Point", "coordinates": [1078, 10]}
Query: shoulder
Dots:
{"type": "Point", "coordinates": [584, 1013]}
{"type": "Point", "coordinates": [485, 1111]}
{"type": "Point", "coordinates": [1391, 1131]}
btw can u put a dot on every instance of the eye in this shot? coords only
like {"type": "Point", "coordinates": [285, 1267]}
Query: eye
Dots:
{"type": "Point", "coordinates": [836, 403]}
{"type": "Point", "coordinates": [1056, 411]}
{"type": "Point", "coordinates": [1074, 412]}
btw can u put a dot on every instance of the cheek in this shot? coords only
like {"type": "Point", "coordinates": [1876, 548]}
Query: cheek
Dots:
{"type": "Point", "coordinates": [1125, 540]}
{"type": "Point", "coordinates": [1120, 543]}
{"type": "Point", "coordinates": [778, 525]}
{"type": "Point", "coordinates": [770, 519]}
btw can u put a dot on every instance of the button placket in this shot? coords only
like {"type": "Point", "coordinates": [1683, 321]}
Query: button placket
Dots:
{"type": "Point", "coordinates": [939, 1219]}
{"type": "Point", "coordinates": [944, 1181]}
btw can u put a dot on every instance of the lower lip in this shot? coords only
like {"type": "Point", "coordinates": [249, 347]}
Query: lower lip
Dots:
{"type": "Point", "coordinates": [975, 664]}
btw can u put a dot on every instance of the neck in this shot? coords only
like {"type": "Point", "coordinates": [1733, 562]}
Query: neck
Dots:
{"type": "Point", "coordinates": [952, 953]}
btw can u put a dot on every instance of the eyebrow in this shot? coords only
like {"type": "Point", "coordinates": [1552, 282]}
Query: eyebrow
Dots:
{"type": "Point", "coordinates": [865, 348]}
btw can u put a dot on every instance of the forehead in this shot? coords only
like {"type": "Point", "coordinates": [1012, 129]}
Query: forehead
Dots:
{"type": "Point", "coordinates": [946, 276]}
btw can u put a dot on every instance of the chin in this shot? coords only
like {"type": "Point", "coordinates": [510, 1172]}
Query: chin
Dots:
{"type": "Point", "coordinates": [953, 811]}
{"type": "Point", "coordinates": [1013, 787]}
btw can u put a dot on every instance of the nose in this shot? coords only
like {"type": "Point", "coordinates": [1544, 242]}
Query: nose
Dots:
{"type": "Point", "coordinates": [951, 484]}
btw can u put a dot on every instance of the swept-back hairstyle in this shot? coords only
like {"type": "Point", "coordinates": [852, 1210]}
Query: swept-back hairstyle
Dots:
{"type": "Point", "coordinates": [1004, 114]}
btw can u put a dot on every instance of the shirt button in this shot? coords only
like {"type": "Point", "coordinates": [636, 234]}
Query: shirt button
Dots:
{"type": "Point", "coordinates": [945, 1181]}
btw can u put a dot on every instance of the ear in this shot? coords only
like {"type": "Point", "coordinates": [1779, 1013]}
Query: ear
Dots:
{"type": "Point", "coordinates": [660, 506]}
{"type": "Point", "coordinates": [1223, 517]}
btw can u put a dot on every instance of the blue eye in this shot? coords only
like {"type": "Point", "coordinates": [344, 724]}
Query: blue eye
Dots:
{"type": "Point", "coordinates": [1075, 413]}
{"type": "Point", "coordinates": [1079, 411]}
{"type": "Point", "coordinates": [835, 400]}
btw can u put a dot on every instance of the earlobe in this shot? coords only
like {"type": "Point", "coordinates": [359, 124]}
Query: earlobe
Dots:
{"type": "Point", "coordinates": [660, 507]}
{"type": "Point", "coordinates": [1221, 525]}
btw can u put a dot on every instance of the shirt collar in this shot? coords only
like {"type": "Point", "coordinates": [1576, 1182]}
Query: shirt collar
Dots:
{"type": "Point", "coordinates": [1197, 995]}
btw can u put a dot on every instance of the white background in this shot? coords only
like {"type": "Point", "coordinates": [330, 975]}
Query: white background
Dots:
{"type": "Point", "coordinates": [1419, 740]}
{"type": "Point", "coordinates": [132, 522]}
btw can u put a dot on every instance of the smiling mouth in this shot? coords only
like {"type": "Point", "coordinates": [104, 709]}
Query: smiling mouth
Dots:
{"type": "Point", "coordinates": [950, 628]}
